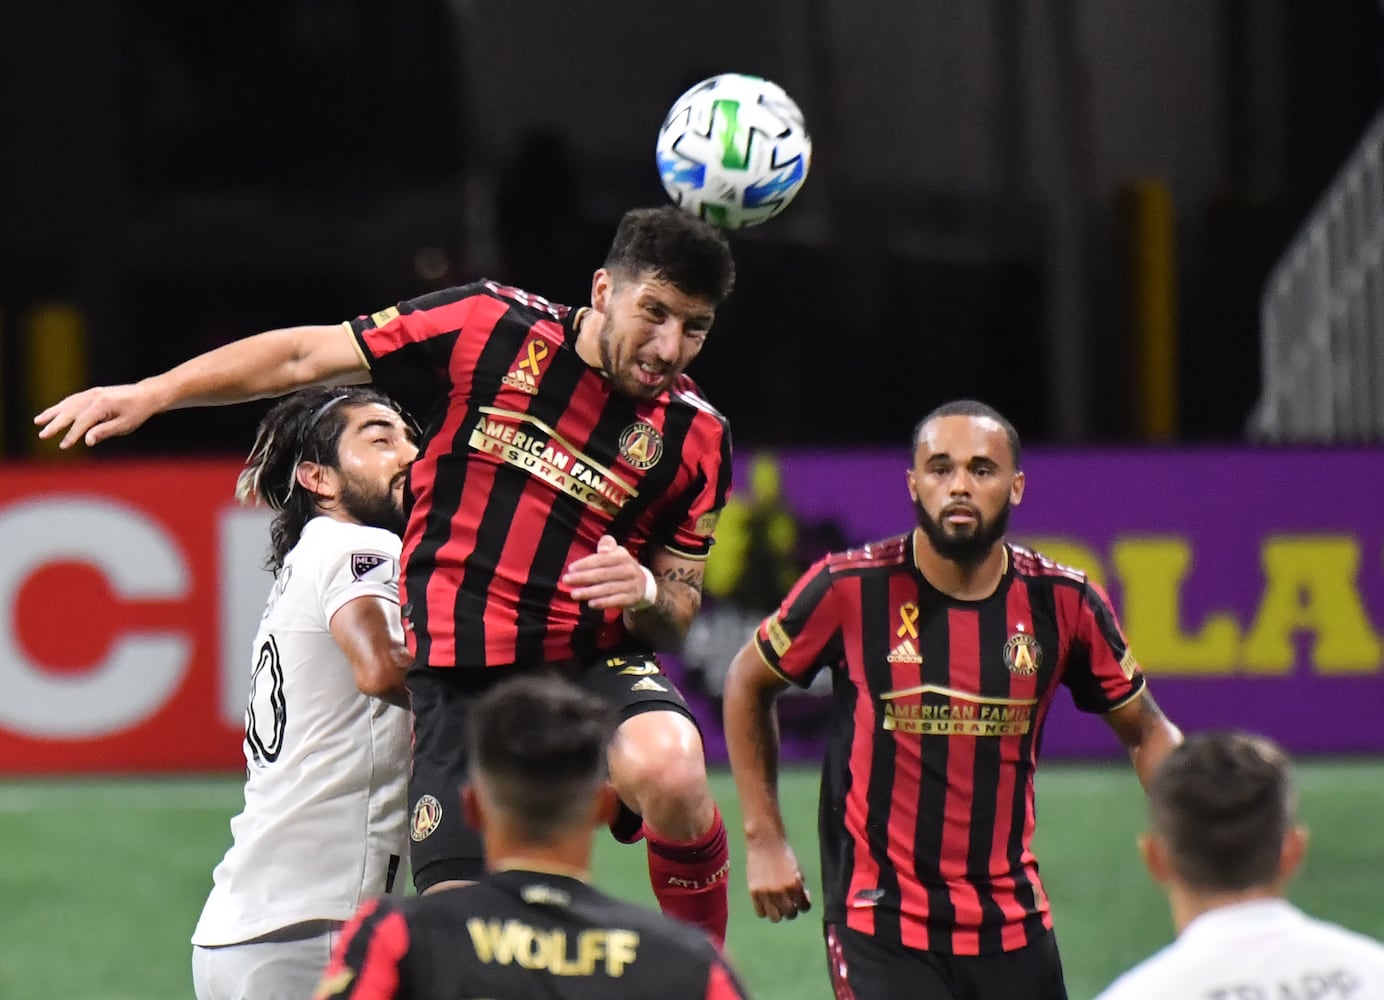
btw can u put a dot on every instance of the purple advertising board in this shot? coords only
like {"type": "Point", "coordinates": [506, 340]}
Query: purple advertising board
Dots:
{"type": "Point", "coordinates": [1250, 582]}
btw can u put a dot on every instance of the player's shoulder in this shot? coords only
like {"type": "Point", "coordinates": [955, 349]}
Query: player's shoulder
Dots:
{"type": "Point", "coordinates": [885, 555]}
{"type": "Point", "coordinates": [1344, 942]}
{"type": "Point", "coordinates": [440, 298]}
{"type": "Point", "coordinates": [1033, 565]}
{"type": "Point", "coordinates": [449, 307]}
{"type": "Point", "coordinates": [327, 539]}
{"type": "Point", "coordinates": [529, 304]}
{"type": "Point", "coordinates": [1155, 977]}
{"type": "Point", "coordinates": [685, 392]}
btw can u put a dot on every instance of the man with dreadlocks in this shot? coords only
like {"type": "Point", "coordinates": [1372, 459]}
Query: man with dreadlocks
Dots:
{"type": "Point", "coordinates": [326, 730]}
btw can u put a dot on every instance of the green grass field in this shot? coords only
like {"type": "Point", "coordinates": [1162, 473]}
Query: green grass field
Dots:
{"type": "Point", "coordinates": [101, 881]}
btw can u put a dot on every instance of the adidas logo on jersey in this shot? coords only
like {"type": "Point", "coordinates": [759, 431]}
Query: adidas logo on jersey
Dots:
{"type": "Point", "coordinates": [521, 380]}
{"type": "Point", "coordinates": [647, 684]}
{"type": "Point", "coordinates": [905, 652]}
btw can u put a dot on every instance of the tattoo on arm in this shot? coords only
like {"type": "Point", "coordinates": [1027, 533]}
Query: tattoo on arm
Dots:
{"type": "Point", "coordinates": [682, 584]}
{"type": "Point", "coordinates": [687, 576]}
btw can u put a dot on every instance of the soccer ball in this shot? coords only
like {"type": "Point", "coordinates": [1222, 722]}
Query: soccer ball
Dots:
{"type": "Point", "coordinates": [734, 150]}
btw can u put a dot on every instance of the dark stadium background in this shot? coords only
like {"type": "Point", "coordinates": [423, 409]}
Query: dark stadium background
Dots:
{"type": "Point", "coordinates": [189, 173]}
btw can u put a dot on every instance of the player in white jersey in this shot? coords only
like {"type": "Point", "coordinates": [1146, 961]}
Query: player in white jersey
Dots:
{"type": "Point", "coordinates": [1224, 843]}
{"type": "Point", "coordinates": [326, 730]}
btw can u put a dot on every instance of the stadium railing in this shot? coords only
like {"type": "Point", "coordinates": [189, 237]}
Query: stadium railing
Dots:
{"type": "Point", "coordinates": [1322, 315]}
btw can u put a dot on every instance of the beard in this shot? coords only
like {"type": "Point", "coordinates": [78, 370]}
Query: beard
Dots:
{"type": "Point", "coordinates": [623, 382]}
{"type": "Point", "coordinates": [372, 509]}
{"type": "Point", "coordinates": [603, 342]}
{"type": "Point", "coordinates": [965, 544]}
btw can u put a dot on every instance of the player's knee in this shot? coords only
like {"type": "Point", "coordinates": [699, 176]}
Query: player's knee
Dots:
{"type": "Point", "coordinates": [659, 763]}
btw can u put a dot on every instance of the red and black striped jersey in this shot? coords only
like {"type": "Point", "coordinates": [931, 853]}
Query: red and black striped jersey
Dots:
{"type": "Point", "coordinates": [927, 809]}
{"type": "Point", "coordinates": [528, 457]}
{"type": "Point", "coordinates": [518, 934]}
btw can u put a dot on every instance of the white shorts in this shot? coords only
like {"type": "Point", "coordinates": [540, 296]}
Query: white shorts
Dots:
{"type": "Point", "coordinates": [284, 965]}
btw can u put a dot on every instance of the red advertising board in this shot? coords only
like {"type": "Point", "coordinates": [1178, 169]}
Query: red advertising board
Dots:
{"type": "Point", "coordinates": [129, 594]}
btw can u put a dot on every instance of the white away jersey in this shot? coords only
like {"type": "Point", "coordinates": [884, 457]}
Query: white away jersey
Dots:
{"type": "Point", "coordinates": [323, 827]}
{"type": "Point", "coordinates": [1261, 950]}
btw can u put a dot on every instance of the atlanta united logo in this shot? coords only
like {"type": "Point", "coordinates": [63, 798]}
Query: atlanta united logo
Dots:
{"type": "Point", "coordinates": [1022, 654]}
{"type": "Point", "coordinates": [427, 814]}
{"type": "Point", "coordinates": [641, 445]}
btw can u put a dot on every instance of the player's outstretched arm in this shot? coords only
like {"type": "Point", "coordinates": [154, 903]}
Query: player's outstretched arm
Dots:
{"type": "Point", "coordinates": [268, 364]}
{"type": "Point", "coordinates": [771, 868]}
{"type": "Point", "coordinates": [1146, 732]}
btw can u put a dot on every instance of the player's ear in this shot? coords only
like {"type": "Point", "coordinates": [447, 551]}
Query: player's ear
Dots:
{"type": "Point", "coordinates": [602, 282]}
{"type": "Point", "coordinates": [1016, 489]}
{"type": "Point", "coordinates": [316, 479]}
{"type": "Point", "coordinates": [607, 805]}
{"type": "Point", "coordinates": [1155, 857]}
{"type": "Point", "coordinates": [471, 808]}
{"type": "Point", "coordinates": [1294, 850]}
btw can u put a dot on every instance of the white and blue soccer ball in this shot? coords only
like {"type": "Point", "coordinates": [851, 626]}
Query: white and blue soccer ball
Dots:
{"type": "Point", "coordinates": [734, 150]}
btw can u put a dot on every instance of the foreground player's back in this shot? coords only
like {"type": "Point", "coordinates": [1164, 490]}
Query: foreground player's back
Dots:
{"type": "Point", "coordinates": [519, 934]}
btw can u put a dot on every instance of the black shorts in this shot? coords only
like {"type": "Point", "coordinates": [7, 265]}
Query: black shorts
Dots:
{"type": "Point", "coordinates": [442, 845]}
{"type": "Point", "coordinates": [864, 967]}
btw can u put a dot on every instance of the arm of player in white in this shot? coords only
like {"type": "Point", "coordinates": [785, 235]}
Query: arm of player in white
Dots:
{"type": "Point", "coordinates": [370, 635]}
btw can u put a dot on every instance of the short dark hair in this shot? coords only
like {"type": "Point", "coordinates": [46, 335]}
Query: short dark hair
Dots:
{"type": "Point", "coordinates": [1223, 803]}
{"type": "Point", "coordinates": [539, 743]}
{"type": "Point", "coordinates": [304, 427]}
{"type": "Point", "coordinates": [674, 246]}
{"type": "Point", "coordinates": [970, 408]}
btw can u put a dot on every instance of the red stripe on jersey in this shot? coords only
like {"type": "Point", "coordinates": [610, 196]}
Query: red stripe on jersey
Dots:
{"type": "Point", "coordinates": [903, 817]}
{"type": "Point", "coordinates": [799, 659]}
{"type": "Point", "coordinates": [575, 425]}
{"type": "Point", "coordinates": [439, 585]}
{"type": "Point", "coordinates": [963, 635]}
{"type": "Point", "coordinates": [720, 985]}
{"type": "Point", "coordinates": [365, 959]}
{"type": "Point", "coordinates": [1018, 611]}
{"type": "Point", "coordinates": [865, 724]}
{"type": "Point", "coordinates": [908, 778]}
{"type": "Point", "coordinates": [415, 327]}
{"type": "Point", "coordinates": [378, 977]}
{"type": "Point", "coordinates": [1067, 602]}
{"type": "Point", "coordinates": [1062, 595]}
{"type": "Point", "coordinates": [525, 525]}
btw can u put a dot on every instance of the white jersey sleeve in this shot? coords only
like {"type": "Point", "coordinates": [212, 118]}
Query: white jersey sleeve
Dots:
{"type": "Point", "coordinates": [369, 567]}
{"type": "Point", "coordinates": [323, 827]}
